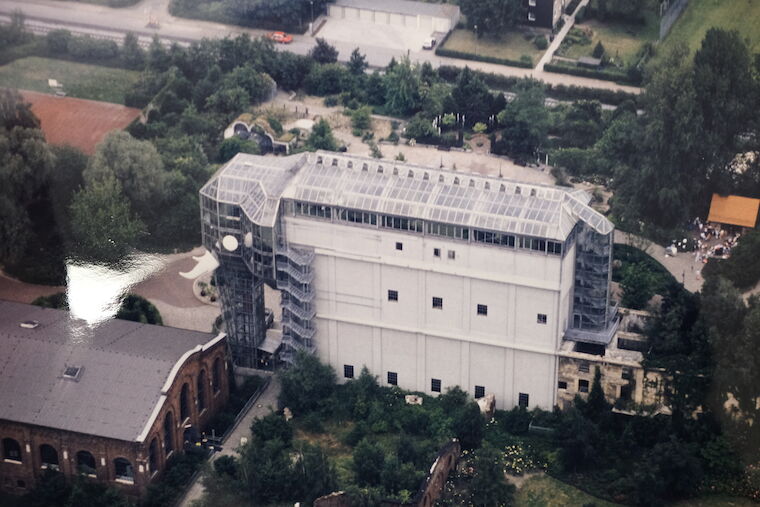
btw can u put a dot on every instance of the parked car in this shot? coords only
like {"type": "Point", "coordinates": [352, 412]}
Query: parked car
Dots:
{"type": "Point", "coordinates": [429, 43]}
{"type": "Point", "coordinates": [280, 37]}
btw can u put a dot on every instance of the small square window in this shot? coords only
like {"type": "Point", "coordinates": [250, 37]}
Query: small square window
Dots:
{"type": "Point", "coordinates": [399, 245]}
{"type": "Point", "coordinates": [482, 309]}
{"type": "Point", "coordinates": [583, 367]}
{"type": "Point", "coordinates": [392, 295]}
{"type": "Point", "coordinates": [480, 391]}
{"type": "Point", "coordinates": [438, 303]}
{"type": "Point", "coordinates": [627, 374]}
{"type": "Point", "coordinates": [452, 254]}
{"type": "Point", "coordinates": [582, 386]}
{"type": "Point", "coordinates": [435, 385]}
{"type": "Point", "coordinates": [531, 16]}
{"type": "Point", "coordinates": [561, 384]}
{"type": "Point", "coordinates": [393, 378]}
{"type": "Point", "coordinates": [348, 370]}
{"type": "Point", "coordinates": [541, 318]}
{"type": "Point", "coordinates": [436, 252]}
{"type": "Point", "coordinates": [523, 400]}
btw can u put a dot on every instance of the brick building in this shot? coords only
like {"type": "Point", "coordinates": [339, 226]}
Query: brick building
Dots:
{"type": "Point", "coordinates": [113, 402]}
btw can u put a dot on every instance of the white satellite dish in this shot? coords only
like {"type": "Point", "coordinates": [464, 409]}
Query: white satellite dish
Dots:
{"type": "Point", "coordinates": [230, 243]}
{"type": "Point", "coordinates": [248, 240]}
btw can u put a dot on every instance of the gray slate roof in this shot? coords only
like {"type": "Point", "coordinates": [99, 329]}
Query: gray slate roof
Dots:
{"type": "Point", "coordinates": [406, 7]}
{"type": "Point", "coordinates": [124, 367]}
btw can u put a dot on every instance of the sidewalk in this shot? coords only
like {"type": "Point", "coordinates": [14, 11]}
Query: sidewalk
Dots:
{"type": "Point", "coordinates": [267, 401]}
{"type": "Point", "coordinates": [683, 266]}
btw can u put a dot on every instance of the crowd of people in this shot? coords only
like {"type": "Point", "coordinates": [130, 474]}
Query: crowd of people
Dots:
{"type": "Point", "coordinates": [713, 240]}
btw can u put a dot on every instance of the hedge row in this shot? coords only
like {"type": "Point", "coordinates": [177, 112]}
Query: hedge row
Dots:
{"type": "Point", "coordinates": [450, 73]}
{"type": "Point", "coordinates": [526, 61]}
{"type": "Point", "coordinates": [605, 75]}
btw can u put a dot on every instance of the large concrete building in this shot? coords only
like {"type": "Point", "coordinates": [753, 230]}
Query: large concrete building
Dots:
{"type": "Point", "coordinates": [113, 402]}
{"type": "Point", "coordinates": [430, 278]}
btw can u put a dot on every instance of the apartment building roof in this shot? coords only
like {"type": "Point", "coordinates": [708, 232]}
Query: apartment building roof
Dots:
{"type": "Point", "coordinates": [257, 183]}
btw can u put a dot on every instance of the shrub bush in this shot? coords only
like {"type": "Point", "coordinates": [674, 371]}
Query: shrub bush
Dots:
{"type": "Point", "coordinates": [598, 50]}
{"type": "Point", "coordinates": [606, 75]}
{"type": "Point", "coordinates": [541, 42]}
{"type": "Point", "coordinates": [525, 61]}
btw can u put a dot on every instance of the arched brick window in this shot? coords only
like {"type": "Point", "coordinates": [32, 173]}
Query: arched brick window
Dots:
{"type": "Point", "coordinates": [123, 470]}
{"type": "Point", "coordinates": [202, 390]}
{"type": "Point", "coordinates": [216, 374]}
{"type": "Point", "coordinates": [153, 456]}
{"type": "Point", "coordinates": [168, 433]}
{"type": "Point", "coordinates": [86, 463]}
{"type": "Point", "coordinates": [49, 456]}
{"type": "Point", "coordinates": [11, 450]}
{"type": "Point", "coordinates": [184, 402]}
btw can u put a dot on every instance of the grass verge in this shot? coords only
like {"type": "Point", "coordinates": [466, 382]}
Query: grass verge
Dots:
{"type": "Point", "coordinates": [546, 491]}
{"type": "Point", "coordinates": [701, 15]}
{"type": "Point", "coordinates": [511, 46]}
{"type": "Point", "coordinates": [79, 80]}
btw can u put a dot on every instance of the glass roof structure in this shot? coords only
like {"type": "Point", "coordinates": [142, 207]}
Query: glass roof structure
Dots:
{"type": "Point", "coordinates": [257, 184]}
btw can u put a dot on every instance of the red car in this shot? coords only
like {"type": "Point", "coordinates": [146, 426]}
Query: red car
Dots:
{"type": "Point", "coordinates": [280, 37]}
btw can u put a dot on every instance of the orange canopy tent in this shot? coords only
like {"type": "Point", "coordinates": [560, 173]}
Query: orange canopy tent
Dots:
{"type": "Point", "coordinates": [733, 210]}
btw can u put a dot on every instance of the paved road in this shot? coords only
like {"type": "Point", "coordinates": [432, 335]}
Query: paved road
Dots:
{"type": "Point", "coordinates": [99, 20]}
{"type": "Point", "coordinates": [266, 402]}
{"type": "Point", "coordinates": [683, 266]}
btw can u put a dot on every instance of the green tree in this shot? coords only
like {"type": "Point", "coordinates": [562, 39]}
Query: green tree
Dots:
{"type": "Point", "coordinates": [367, 463]}
{"type": "Point", "coordinates": [321, 137]}
{"type": "Point", "coordinates": [726, 96]}
{"type": "Point", "coordinates": [597, 406]}
{"type": "Point", "coordinates": [234, 145]}
{"type": "Point", "coordinates": [582, 125]}
{"type": "Point", "coordinates": [158, 59]}
{"type": "Point", "coordinates": [135, 165]}
{"type": "Point", "coordinates": [14, 112]}
{"type": "Point", "coordinates": [323, 52]}
{"type": "Point", "coordinates": [469, 426]}
{"type": "Point", "coordinates": [526, 123]}
{"type": "Point", "coordinates": [471, 97]}
{"type": "Point", "coordinates": [272, 426]}
{"type": "Point", "coordinates": [57, 41]}
{"type": "Point", "coordinates": [420, 128]}
{"type": "Point", "coordinates": [362, 118]}
{"type": "Point", "coordinates": [638, 284]}
{"type": "Point", "coordinates": [357, 63]}
{"type": "Point", "coordinates": [131, 52]}
{"type": "Point", "coordinates": [488, 485]}
{"type": "Point", "coordinates": [313, 473]}
{"type": "Point", "coordinates": [662, 189]}
{"type": "Point", "coordinates": [307, 385]}
{"type": "Point", "coordinates": [102, 224]}
{"type": "Point", "coordinates": [402, 86]}
{"type": "Point", "coordinates": [493, 17]}
{"type": "Point", "coordinates": [138, 309]}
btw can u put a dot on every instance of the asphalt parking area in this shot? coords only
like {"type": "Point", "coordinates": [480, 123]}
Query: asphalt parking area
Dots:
{"type": "Point", "coordinates": [372, 34]}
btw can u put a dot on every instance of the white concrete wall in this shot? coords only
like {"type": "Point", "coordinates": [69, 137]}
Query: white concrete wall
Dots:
{"type": "Point", "coordinates": [507, 350]}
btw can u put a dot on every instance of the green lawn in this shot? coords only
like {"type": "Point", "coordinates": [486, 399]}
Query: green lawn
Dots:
{"type": "Point", "coordinates": [701, 15]}
{"type": "Point", "coordinates": [717, 501]}
{"type": "Point", "coordinates": [545, 491]}
{"type": "Point", "coordinates": [621, 41]}
{"type": "Point", "coordinates": [510, 46]}
{"type": "Point", "coordinates": [79, 80]}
